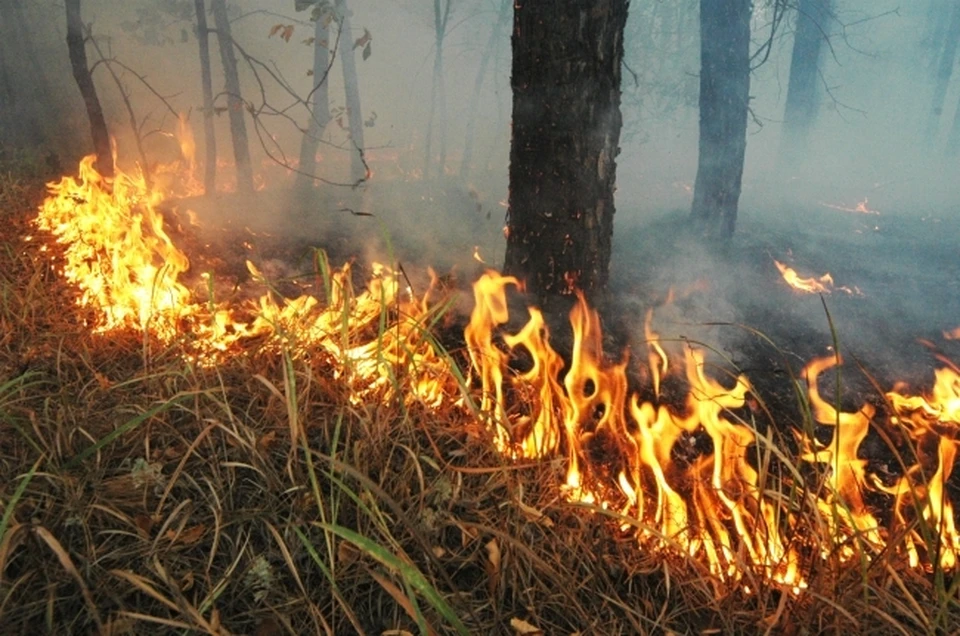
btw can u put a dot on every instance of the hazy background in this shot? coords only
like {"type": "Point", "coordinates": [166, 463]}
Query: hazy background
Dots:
{"type": "Point", "coordinates": [868, 148]}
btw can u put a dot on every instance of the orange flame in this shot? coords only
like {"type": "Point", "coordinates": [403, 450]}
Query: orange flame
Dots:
{"type": "Point", "coordinates": [700, 479]}
{"type": "Point", "coordinates": [821, 285]}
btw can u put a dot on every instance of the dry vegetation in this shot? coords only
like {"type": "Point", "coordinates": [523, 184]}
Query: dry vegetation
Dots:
{"type": "Point", "coordinates": [141, 494]}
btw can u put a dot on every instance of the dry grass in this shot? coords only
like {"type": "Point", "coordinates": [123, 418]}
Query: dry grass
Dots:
{"type": "Point", "coordinates": [144, 495]}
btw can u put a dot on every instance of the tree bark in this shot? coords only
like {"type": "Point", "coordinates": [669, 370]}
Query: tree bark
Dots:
{"type": "Point", "coordinates": [351, 85]}
{"type": "Point", "coordinates": [947, 60]}
{"type": "Point", "coordinates": [206, 80]}
{"type": "Point", "coordinates": [77, 48]}
{"type": "Point", "coordinates": [724, 105]}
{"type": "Point", "coordinates": [319, 102]}
{"type": "Point", "coordinates": [488, 52]}
{"type": "Point", "coordinates": [235, 103]}
{"type": "Point", "coordinates": [566, 132]}
{"type": "Point", "coordinates": [803, 96]}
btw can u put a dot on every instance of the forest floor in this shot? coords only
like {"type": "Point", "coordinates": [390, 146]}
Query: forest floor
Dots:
{"type": "Point", "coordinates": [144, 493]}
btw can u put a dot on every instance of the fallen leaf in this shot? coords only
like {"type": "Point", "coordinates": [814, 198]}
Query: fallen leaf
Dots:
{"type": "Point", "coordinates": [523, 627]}
{"type": "Point", "coordinates": [188, 536]}
{"type": "Point", "coordinates": [492, 565]}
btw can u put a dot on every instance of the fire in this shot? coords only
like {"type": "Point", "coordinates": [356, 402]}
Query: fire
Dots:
{"type": "Point", "coordinates": [696, 475]}
{"type": "Point", "coordinates": [118, 254]}
{"type": "Point", "coordinates": [952, 334]}
{"type": "Point", "coordinates": [822, 285]}
{"type": "Point", "coordinates": [860, 208]}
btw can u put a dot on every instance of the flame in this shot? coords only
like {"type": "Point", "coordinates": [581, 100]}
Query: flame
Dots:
{"type": "Point", "coordinates": [952, 334]}
{"type": "Point", "coordinates": [822, 285]}
{"type": "Point", "coordinates": [860, 208]}
{"type": "Point", "coordinates": [697, 477]}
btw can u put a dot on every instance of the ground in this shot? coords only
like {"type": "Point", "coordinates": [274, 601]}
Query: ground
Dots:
{"type": "Point", "coordinates": [144, 493]}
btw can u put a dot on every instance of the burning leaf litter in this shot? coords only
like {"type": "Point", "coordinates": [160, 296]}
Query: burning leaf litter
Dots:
{"type": "Point", "coordinates": [701, 478]}
{"type": "Point", "coordinates": [822, 285]}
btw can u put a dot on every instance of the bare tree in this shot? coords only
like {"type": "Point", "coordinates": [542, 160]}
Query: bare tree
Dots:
{"type": "Point", "coordinates": [438, 90]}
{"type": "Point", "coordinates": [235, 104]}
{"type": "Point", "coordinates": [206, 79]}
{"type": "Point", "coordinates": [76, 46]}
{"type": "Point", "coordinates": [803, 96]}
{"type": "Point", "coordinates": [318, 99]}
{"type": "Point", "coordinates": [566, 133]}
{"type": "Point", "coordinates": [489, 51]}
{"type": "Point", "coordinates": [724, 105]}
{"type": "Point", "coordinates": [947, 60]}
{"type": "Point", "coordinates": [358, 166]}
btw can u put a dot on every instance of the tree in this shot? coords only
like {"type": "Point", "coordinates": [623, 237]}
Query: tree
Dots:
{"type": "Point", "coordinates": [438, 90]}
{"type": "Point", "coordinates": [77, 48]}
{"type": "Point", "coordinates": [803, 98]}
{"type": "Point", "coordinates": [358, 168]}
{"type": "Point", "coordinates": [724, 106]}
{"type": "Point", "coordinates": [235, 103]}
{"type": "Point", "coordinates": [210, 135]}
{"type": "Point", "coordinates": [947, 60]}
{"type": "Point", "coordinates": [566, 132]}
{"type": "Point", "coordinates": [318, 100]}
{"type": "Point", "coordinates": [488, 52]}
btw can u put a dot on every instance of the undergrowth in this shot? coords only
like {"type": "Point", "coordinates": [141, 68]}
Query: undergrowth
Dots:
{"type": "Point", "coordinates": [148, 495]}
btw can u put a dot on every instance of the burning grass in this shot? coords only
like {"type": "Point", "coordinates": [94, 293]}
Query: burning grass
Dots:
{"type": "Point", "coordinates": [268, 485]}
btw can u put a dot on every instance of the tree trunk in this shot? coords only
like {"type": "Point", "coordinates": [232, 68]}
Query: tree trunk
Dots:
{"type": "Point", "coordinates": [437, 90]}
{"type": "Point", "coordinates": [566, 133]}
{"type": "Point", "coordinates": [953, 143]}
{"type": "Point", "coordinates": [351, 86]}
{"type": "Point", "coordinates": [319, 103]}
{"type": "Point", "coordinates": [803, 96]}
{"type": "Point", "coordinates": [235, 103]}
{"type": "Point", "coordinates": [488, 52]}
{"type": "Point", "coordinates": [206, 79]}
{"type": "Point", "coordinates": [77, 48]}
{"type": "Point", "coordinates": [724, 104]}
{"type": "Point", "coordinates": [948, 56]}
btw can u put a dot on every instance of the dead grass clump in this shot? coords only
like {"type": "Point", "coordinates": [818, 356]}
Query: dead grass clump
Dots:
{"type": "Point", "coordinates": [143, 493]}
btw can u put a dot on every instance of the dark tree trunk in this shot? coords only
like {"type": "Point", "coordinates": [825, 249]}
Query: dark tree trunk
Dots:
{"type": "Point", "coordinates": [488, 52]}
{"type": "Point", "coordinates": [351, 86]}
{"type": "Point", "coordinates": [947, 60]}
{"type": "Point", "coordinates": [319, 102]}
{"type": "Point", "coordinates": [77, 48]}
{"type": "Point", "coordinates": [724, 104]}
{"type": "Point", "coordinates": [803, 96]}
{"type": "Point", "coordinates": [235, 103]}
{"type": "Point", "coordinates": [566, 134]}
{"type": "Point", "coordinates": [206, 79]}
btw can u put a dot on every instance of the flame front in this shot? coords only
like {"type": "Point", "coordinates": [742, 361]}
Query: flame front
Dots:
{"type": "Point", "coordinates": [696, 476]}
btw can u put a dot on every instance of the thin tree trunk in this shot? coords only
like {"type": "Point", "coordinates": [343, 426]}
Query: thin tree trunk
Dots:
{"type": "Point", "coordinates": [206, 80]}
{"type": "Point", "coordinates": [319, 103]}
{"type": "Point", "coordinates": [441, 14]}
{"type": "Point", "coordinates": [947, 60]}
{"type": "Point", "coordinates": [76, 46]}
{"type": "Point", "coordinates": [802, 89]}
{"type": "Point", "coordinates": [235, 103]}
{"type": "Point", "coordinates": [358, 169]}
{"type": "Point", "coordinates": [566, 132]}
{"type": "Point", "coordinates": [488, 52]}
{"type": "Point", "coordinates": [953, 143]}
{"type": "Point", "coordinates": [724, 105]}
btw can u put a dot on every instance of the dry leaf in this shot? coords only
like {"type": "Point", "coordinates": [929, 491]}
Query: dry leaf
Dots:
{"type": "Point", "coordinates": [188, 536]}
{"type": "Point", "coordinates": [535, 515]}
{"type": "Point", "coordinates": [492, 565]}
{"type": "Point", "coordinates": [346, 553]}
{"type": "Point", "coordinates": [523, 627]}
{"type": "Point", "coordinates": [266, 440]}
